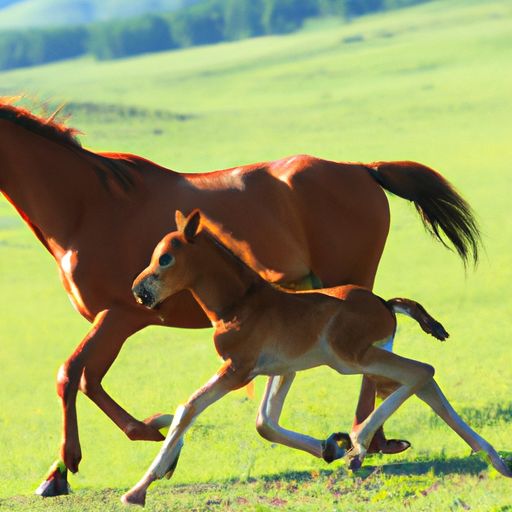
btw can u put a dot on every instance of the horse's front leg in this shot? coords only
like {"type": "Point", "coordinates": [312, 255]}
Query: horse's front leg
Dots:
{"type": "Point", "coordinates": [99, 360]}
{"type": "Point", "coordinates": [110, 328]}
{"type": "Point", "coordinates": [84, 370]}
{"type": "Point", "coordinates": [224, 381]}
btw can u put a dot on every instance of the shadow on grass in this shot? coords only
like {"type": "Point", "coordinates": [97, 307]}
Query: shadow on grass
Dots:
{"type": "Point", "coordinates": [472, 465]}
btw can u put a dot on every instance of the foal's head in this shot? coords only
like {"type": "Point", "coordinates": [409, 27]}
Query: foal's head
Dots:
{"type": "Point", "coordinates": [170, 270]}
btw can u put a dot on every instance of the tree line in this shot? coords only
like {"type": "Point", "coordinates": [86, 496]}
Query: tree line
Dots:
{"type": "Point", "coordinates": [207, 22]}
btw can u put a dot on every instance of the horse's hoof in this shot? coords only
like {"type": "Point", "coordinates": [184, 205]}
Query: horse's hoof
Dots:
{"type": "Point", "coordinates": [56, 483]}
{"type": "Point", "coordinates": [335, 446]}
{"type": "Point", "coordinates": [389, 446]}
{"type": "Point", "coordinates": [159, 421]}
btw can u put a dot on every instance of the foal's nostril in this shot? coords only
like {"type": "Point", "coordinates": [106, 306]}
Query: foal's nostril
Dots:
{"type": "Point", "coordinates": [143, 296]}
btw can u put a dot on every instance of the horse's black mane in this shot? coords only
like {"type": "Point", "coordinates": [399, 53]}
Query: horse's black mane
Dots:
{"type": "Point", "coordinates": [118, 168]}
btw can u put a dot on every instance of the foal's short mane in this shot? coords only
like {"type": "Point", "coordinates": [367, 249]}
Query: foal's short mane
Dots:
{"type": "Point", "coordinates": [120, 169]}
{"type": "Point", "coordinates": [237, 249]}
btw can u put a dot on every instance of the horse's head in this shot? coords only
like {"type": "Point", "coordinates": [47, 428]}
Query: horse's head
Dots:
{"type": "Point", "coordinates": [169, 270]}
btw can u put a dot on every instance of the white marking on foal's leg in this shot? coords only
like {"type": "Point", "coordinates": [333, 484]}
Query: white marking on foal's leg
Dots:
{"type": "Point", "coordinates": [271, 407]}
{"type": "Point", "coordinates": [411, 374]}
{"type": "Point", "coordinates": [220, 384]}
{"type": "Point", "coordinates": [163, 461]}
{"type": "Point", "coordinates": [172, 444]}
{"type": "Point", "coordinates": [434, 397]}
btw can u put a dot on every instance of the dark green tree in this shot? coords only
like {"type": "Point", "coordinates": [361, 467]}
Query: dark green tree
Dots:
{"type": "Point", "coordinates": [143, 34]}
{"type": "Point", "coordinates": [283, 16]}
{"type": "Point", "coordinates": [200, 24]}
{"type": "Point", "coordinates": [242, 18]}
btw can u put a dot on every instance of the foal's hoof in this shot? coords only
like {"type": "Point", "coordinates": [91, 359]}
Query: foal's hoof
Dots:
{"type": "Point", "coordinates": [355, 463]}
{"type": "Point", "coordinates": [134, 498]}
{"type": "Point", "coordinates": [56, 483]}
{"type": "Point", "coordinates": [335, 446]}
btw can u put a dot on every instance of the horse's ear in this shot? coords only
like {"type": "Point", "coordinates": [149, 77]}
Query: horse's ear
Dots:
{"type": "Point", "coordinates": [180, 220]}
{"type": "Point", "coordinates": [191, 225]}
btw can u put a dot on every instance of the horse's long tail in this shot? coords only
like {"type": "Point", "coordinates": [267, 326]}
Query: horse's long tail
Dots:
{"type": "Point", "coordinates": [415, 310]}
{"type": "Point", "coordinates": [441, 208]}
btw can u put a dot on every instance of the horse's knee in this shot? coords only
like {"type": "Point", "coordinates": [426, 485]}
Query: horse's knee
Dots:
{"type": "Point", "coordinates": [264, 427]}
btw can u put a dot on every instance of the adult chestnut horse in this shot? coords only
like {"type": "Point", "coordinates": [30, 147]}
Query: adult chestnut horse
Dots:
{"type": "Point", "coordinates": [306, 222]}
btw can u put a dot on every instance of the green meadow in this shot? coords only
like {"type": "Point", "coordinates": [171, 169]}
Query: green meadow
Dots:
{"type": "Point", "coordinates": [431, 83]}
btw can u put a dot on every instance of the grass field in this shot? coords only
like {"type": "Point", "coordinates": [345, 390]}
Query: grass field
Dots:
{"type": "Point", "coordinates": [432, 84]}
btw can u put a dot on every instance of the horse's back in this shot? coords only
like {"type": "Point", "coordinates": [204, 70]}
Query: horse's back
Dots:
{"type": "Point", "coordinates": [345, 215]}
{"type": "Point", "coordinates": [302, 215]}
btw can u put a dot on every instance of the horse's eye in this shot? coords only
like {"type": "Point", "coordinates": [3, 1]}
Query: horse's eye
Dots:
{"type": "Point", "coordinates": [166, 260]}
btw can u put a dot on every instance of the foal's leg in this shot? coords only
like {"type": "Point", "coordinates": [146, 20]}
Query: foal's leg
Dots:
{"type": "Point", "coordinates": [411, 374]}
{"type": "Point", "coordinates": [366, 405]}
{"type": "Point", "coordinates": [431, 394]}
{"type": "Point", "coordinates": [267, 423]}
{"type": "Point", "coordinates": [219, 385]}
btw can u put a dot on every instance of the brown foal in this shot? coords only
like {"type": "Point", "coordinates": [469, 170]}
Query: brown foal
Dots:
{"type": "Point", "coordinates": [261, 329]}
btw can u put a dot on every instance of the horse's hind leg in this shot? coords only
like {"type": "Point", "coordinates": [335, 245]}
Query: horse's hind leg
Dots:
{"type": "Point", "coordinates": [434, 397]}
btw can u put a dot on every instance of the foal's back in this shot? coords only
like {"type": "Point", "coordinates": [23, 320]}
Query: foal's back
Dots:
{"type": "Point", "coordinates": [283, 331]}
{"type": "Point", "coordinates": [359, 319]}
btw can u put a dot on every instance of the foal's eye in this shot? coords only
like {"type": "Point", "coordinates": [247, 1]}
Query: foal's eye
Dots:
{"type": "Point", "coordinates": [166, 260]}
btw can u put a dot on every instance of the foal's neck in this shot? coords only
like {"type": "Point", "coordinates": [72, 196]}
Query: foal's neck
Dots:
{"type": "Point", "coordinates": [224, 282]}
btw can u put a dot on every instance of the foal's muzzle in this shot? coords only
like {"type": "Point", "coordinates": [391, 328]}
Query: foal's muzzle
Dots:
{"type": "Point", "coordinates": [144, 296]}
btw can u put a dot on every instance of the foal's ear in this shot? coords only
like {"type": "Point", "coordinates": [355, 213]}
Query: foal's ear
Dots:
{"type": "Point", "coordinates": [191, 225]}
{"type": "Point", "coordinates": [180, 220]}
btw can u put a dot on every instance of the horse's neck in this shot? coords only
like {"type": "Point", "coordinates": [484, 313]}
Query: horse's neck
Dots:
{"type": "Point", "coordinates": [223, 282]}
{"type": "Point", "coordinates": [46, 182]}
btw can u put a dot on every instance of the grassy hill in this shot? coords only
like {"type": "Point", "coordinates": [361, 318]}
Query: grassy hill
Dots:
{"type": "Point", "coordinates": [430, 83]}
{"type": "Point", "coordinates": [43, 13]}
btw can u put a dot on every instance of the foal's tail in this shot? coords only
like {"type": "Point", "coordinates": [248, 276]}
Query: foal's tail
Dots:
{"type": "Point", "coordinates": [417, 311]}
{"type": "Point", "coordinates": [440, 206]}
